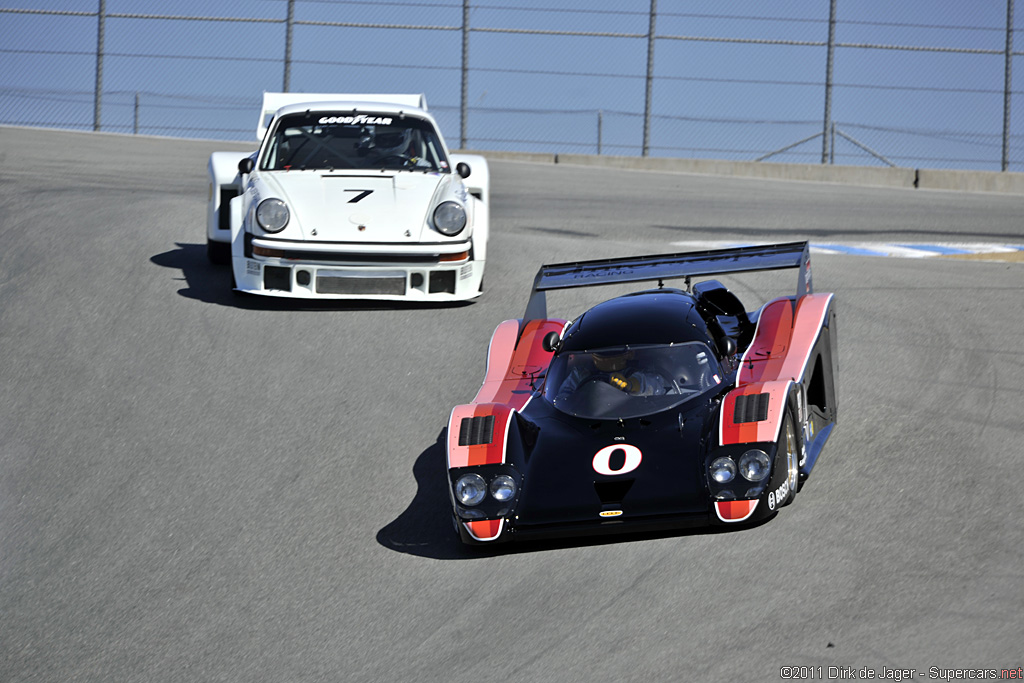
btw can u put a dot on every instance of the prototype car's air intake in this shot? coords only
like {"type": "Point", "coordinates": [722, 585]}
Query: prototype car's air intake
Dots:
{"type": "Point", "coordinates": [476, 431]}
{"type": "Point", "coordinates": [751, 408]}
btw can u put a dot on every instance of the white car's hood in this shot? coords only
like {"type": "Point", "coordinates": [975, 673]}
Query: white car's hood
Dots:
{"type": "Point", "coordinates": [359, 206]}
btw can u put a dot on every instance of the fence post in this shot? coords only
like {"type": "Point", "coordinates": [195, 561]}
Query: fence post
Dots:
{"type": "Point", "coordinates": [288, 47]}
{"type": "Point", "coordinates": [600, 117]}
{"type": "Point", "coordinates": [828, 81]}
{"type": "Point", "coordinates": [98, 97]}
{"type": "Point", "coordinates": [135, 118]}
{"type": "Point", "coordinates": [464, 103]}
{"type": "Point", "coordinates": [650, 77]}
{"type": "Point", "coordinates": [1007, 83]}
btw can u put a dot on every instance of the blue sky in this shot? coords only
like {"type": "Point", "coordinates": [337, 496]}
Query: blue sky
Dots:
{"type": "Point", "coordinates": [542, 92]}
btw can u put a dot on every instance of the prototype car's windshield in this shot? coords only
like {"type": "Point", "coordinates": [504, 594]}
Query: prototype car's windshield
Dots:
{"type": "Point", "coordinates": [344, 140]}
{"type": "Point", "coordinates": [625, 382]}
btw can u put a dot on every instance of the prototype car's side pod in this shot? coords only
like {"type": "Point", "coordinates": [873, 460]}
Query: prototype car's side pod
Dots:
{"type": "Point", "coordinates": [784, 398]}
{"type": "Point", "coordinates": [734, 450]}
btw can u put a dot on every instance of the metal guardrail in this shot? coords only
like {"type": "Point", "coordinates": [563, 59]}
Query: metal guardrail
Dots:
{"type": "Point", "coordinates": [652, 39]}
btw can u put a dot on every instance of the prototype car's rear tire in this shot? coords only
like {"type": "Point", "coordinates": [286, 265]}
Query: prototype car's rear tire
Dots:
{"type": "Point", "coordinates": [219, 253]}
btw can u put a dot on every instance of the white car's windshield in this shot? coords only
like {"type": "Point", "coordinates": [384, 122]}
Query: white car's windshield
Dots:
{"type": "Point", "coordinates": [353, 140]}
{"type": "Point", "coordinates": [625, 382]}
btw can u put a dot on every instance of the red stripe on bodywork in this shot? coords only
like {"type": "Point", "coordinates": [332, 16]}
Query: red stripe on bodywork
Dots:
{"type": "Point", "coordinates": [777, 356]}
{"type": "Point", "coordinates": [512, 371]}
{"type": "Point", "coordinates": [492, 453]}
{"type": "Point", "coordinates": [765, 356]}
{"type": "Point", "coordinates": [807, 323]}
{"type": "Point", "coordinates": [515, 362]}
{"type": "Point", "coordinates": [784, 340]}
{"type": "Point", "coordinates": [499, 354]}
{"type": "Point", "coordinates": [752, 432]}
{"type": "Point", "coordinates": [734, 510]}
{"type": "Point", "coordinates": [484, 529]}
{"type": "Point", "coordinates": [513, 368]}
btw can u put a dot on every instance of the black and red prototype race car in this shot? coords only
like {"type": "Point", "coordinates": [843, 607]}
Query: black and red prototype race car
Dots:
{"type": "Point", "coordinates": [664, 408]}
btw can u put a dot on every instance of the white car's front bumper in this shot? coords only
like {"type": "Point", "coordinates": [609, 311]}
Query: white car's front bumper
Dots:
{"type": "Point", "coordinates": [412, 272]}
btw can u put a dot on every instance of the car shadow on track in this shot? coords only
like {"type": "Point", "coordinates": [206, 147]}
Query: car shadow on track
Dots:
{"type": "Point", "coordinates": [212, 284]}
{"type": "Point", "coordinates": [425, 527]}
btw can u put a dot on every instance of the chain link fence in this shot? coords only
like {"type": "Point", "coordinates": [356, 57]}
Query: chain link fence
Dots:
{"type": "Point", "coordinates": [861, 82]}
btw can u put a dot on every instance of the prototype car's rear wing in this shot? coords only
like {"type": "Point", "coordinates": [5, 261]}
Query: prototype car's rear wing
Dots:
{"type": "Point", "coordinates": [669, 266]}
{"type": "Point", "coordinates": [272, 101]}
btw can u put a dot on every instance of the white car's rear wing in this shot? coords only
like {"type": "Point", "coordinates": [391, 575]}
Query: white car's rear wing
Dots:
{"type": "Point", "coordinates": [272, 101]}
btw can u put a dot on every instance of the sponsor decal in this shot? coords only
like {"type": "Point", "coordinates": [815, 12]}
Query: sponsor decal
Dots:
{"type": "Point", "coordinates": [603, 459]}
{"type": "Point", "coordinates": [778, 496]}
{"type": "Point", "coordinates": [606, 272]}
{"type": "Point", "coordinates": [358, 119]}
{"type": "Point", "coordinates": [252, 268]}
{"type": "Point", "coordinates": [466, 271]}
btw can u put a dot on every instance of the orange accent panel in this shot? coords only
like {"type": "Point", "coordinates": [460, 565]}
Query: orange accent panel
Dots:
{"type": "Point", "coordinates": [734, 510]}
{"type": "Point", "coordinates": [484, 529]}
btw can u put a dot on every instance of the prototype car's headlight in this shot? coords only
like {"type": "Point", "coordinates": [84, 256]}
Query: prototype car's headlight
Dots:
{"type": "Point", "coordinates": [470, 489]}
{"type": "Point", "coordinates": [754, 465]}
{"type": "Point", "coordinates": [722, 470]}
{"type": "Point", "coordinates": [503, 488]}
{"type": "Point", "coordinates": [449, 218]}
{"type": "Point", "coordinates": [272, 215]}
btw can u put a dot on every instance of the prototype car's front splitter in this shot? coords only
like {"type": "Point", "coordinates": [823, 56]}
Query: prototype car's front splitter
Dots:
{"type": "Point", "coordinates": [623, 524]}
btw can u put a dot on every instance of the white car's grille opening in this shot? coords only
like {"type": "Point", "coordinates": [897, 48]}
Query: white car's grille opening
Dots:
{"type": "Point", "coordinates": [327, 283]}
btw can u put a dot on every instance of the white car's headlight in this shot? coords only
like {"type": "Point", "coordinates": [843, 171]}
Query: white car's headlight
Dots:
{"type": "Point", "coordinates": [503, 488]}
{"type": "Point", "coordinates": [272, 215]}
{"type": "Point", "coordinates": [723, 470]}
{"type": "Point", "coordinates": [755, 465]}
{"type": "Point", "coordinates": [470, 489]}
{"type": "Point", "coordinates": [449, 218]}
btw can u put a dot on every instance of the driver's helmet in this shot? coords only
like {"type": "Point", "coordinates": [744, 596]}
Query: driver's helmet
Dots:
{"type": "Point", "coordinates": [613, 361]}
{"type": "Point", "coordinates": [389, 142]}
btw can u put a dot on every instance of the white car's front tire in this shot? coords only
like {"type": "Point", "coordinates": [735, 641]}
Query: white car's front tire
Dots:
{"type": "Point", "coordinates": [218, 253]}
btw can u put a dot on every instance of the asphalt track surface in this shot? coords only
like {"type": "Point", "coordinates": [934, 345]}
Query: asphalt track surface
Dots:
{"type": "Point", "coordinates": [197, 487]}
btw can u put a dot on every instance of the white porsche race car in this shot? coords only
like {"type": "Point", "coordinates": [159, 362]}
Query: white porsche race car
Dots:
{"type": "Point", "coordinates": [350, 197]}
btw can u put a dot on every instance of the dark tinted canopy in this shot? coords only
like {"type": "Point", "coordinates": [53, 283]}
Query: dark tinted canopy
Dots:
{"type": "Point", "coordinates": [663, 316]}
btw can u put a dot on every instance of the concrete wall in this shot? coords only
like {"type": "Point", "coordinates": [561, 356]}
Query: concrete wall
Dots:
{"type": "Point", "coordinates": [964, 181]}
